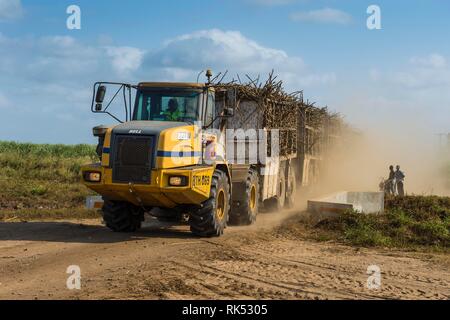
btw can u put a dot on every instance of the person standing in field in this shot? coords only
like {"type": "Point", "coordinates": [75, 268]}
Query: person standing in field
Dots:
{"type": "Point", "coordinates": [399, 177]}
{"type": "Point", "coordinates": [390, 181]}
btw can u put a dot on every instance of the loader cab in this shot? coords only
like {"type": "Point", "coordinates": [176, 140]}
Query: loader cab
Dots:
{"type": "Point", "coordinates": [179, 102]}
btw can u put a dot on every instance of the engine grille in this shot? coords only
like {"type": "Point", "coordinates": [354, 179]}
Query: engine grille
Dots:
{"type": "Point", "coordinates": [132, 159]}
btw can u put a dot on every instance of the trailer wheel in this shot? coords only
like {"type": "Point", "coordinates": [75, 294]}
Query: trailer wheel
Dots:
{"type": "Point", "coordinates": [291, 188]}
{"type": "Point", "coordinates": [211, 218]}
{"type": "Point", "coordinates": [122, 216]}
{"type": "Point", "coordinates": [247, 212]}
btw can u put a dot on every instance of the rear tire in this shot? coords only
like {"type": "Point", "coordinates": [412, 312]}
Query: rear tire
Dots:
{"type": "Point", "coordinates": [247, 212]}
{"type": "Point", "coordinates": [211, 218]}
{"type": "Point", "coordinates": [122, 216]}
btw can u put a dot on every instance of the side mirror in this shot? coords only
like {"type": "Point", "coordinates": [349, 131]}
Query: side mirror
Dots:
{"type": "Point", "coordinates": [99, 97]}
{"type": "Point", "coordinates": [228, 112]}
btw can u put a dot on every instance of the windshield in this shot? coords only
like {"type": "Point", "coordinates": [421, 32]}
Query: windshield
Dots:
{"type": "Point", "coordinates": [167, 105]}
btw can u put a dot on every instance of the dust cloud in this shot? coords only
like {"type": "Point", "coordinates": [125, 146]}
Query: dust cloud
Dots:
{"type": "Point", "coordinates": [362, 159]}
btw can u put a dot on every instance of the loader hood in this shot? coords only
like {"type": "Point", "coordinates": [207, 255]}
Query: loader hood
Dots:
{"type": "Point", "coordinates": [151, 144]}
{"type": "Point", "coordinates": [146, 127]}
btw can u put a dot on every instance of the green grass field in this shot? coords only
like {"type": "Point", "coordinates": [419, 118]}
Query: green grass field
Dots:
{"type": "Point", "coordinates": [43, 181]}
{"type": "Point", "coordinates": [408, 222]}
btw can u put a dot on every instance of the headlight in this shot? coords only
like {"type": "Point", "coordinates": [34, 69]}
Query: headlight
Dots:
{"type": "Point", "coordinates": [92, 176]}
{"type": "Point", "coordinates": [178, 181]}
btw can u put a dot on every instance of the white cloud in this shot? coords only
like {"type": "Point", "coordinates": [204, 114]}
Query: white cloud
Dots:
{"type": "Point", "coordinates": [183, 57]}
{"type": "Point", "coordinates": [125, 59]}
{"type": "Point", "coordinates": [433, 60]}
{"type": "Point", "coordinates": [223, 49]}
{"type": "Point", "coordinates": [422, 78]}
{"type": "Point", "coordinates": [326, 15]}
{"type": "Point", "coordinates": [408, 97]}
{"type": "Point", "coordinates": [425, 73]}
{"type": "Point", "coordinates": [64, 59]}
{"type": "Point", "coordinates": [10, 10]}
{"type": "Point", "coordinates": [49, 79]}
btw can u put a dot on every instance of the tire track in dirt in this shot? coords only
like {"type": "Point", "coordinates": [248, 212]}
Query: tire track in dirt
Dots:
{"type": "Point", "coordinates": [345, 272]}
{"type": "Point", "coordinates": [168, 263]}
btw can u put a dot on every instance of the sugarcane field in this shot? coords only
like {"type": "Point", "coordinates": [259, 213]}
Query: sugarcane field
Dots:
{"type": "Point", "coordinates": [213, 169]}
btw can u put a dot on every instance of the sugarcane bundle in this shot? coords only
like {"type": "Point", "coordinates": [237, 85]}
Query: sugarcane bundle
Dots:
{"type": "Point", "coordinates": [267, 105]}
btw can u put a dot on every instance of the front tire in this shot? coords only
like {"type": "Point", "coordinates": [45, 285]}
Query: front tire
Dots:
{"type": "Point", "coordinates": [122, 216]}
{"type": "Point", "coordinates": [211, 218]}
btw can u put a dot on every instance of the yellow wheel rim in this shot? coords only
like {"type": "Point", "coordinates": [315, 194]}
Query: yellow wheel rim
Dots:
{"type": "Point", "coordinates": [220, 210]}
{"type": "Point", "coordinates": [253, 198]}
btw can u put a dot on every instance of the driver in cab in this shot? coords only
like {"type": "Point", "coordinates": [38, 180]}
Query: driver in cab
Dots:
{"type": "Point", "coordinates": [173, 112]}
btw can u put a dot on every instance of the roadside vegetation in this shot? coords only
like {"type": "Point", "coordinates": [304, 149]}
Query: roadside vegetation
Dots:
{"type": "Point", "coordinates": [40, 181]}
{"type": "Point", "coordinates": [43, 181]}
{"type": "Point", "coordinates": [408, 222]}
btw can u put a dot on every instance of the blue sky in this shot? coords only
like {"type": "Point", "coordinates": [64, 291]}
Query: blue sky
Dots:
{"type": "Point", "coordinates": [400, 73]}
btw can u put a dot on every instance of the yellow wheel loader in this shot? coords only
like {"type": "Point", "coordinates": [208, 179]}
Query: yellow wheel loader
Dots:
{"type": "Point", "coordinates": [185, 149]}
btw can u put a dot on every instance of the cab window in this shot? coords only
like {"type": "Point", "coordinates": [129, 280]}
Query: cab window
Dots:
{"type": "Point", "coordinates": [210, 109]}
{"type": "Point", "coordinates": [167, 105]}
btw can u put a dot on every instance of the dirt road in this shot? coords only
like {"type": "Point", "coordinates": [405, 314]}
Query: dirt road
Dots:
{"type": "Point", "coordinates": [162, 262]}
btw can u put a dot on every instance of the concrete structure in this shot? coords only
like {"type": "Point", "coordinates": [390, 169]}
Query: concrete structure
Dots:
{"type": "Point", "coordinates": [336, 203]}
{"type": "Point", "coordinates": [94, 202]}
